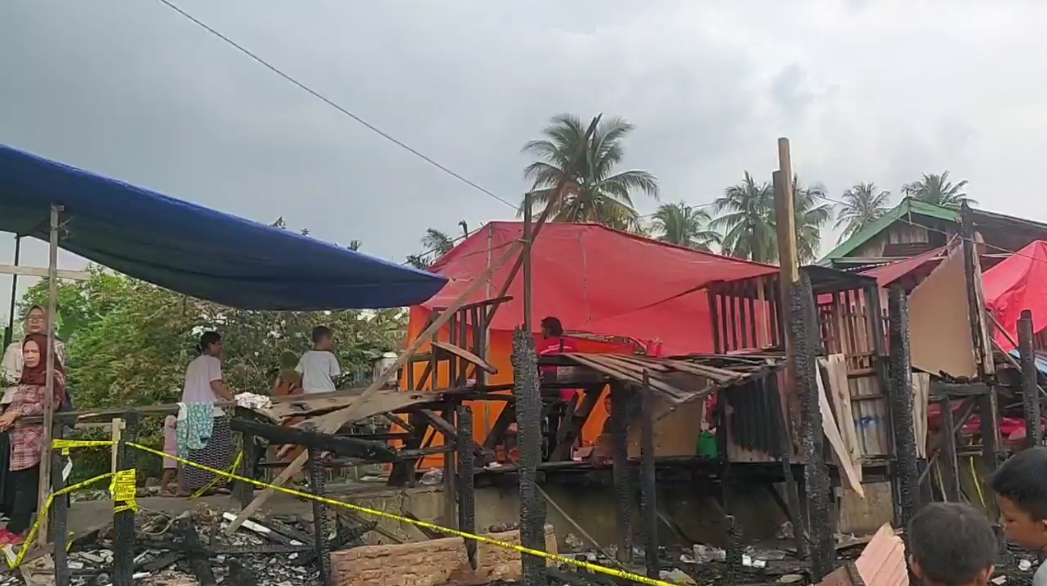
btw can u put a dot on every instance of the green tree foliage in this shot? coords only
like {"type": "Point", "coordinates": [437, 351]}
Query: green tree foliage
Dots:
{"type": "Point", "coordinates": [684, 225]}
{"type": "Point", "coordinates": [862, 205]}
{"type": "Point", "coordinates": [129, 342]}
{"type": "Point", "coordinates": [939, 190]}
{"type": "Point", "coordinates": [596, 190]}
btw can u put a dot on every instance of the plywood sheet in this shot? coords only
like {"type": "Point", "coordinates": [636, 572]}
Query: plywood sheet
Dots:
{"type": "Point", "coordinates": [921, 387]}
{"type": "Point", "coordinates": [939, 322]}
{"type": "Point", "coordinates": [676, 434]}
{"type": "Point", "coordinates": [840, 396]}
{"type": "Point", "coordinates": [883, 561]}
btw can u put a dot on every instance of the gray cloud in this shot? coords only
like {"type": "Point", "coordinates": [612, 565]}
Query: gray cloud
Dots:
{"type": "Point", "coordinates": [866, 91]}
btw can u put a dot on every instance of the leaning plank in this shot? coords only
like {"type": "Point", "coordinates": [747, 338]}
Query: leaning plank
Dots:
{"type": "Point", "coordinates": [384, 401]}
{"type": "Point", "coordinates": [332, 422]}
{"type": "Point", "coordinates": [42, 272]}
{"type": "Point", "coordinates": [466, 355]}
{"type": "Point", "coordinates": [717, 374]}
{"type": "Point", "coordinates": [840, 396]}
{"type": "Point", "coordinates": [832, 433]}
{"type": "Point", "coordinates": [637, 371]}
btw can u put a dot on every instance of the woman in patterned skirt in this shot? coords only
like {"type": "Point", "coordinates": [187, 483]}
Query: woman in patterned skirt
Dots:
{"type": "Point", "coordinates": [203, 428]}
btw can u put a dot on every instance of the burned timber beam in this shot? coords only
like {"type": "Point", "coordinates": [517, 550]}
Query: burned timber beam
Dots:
{"type": "Point", "coordinates": [320, 532]}
{"type": "Point", "coordinates": [124, 520]}
{"type": "Point", "coordinates": [528, 414]}
{"type": "Point", "coordinates": [623, 491]}
{"type": "Point", "coordinates": [1030, 392]}
{"type": "Point", "coordinates": [466, 484]}
{"type": "Point", "coordinates": [648, 498]}
{"type": "Point", "coordinates": [801, 332]}
{"type": "Point", "coordinates": [900, 398]}
{"type": "Point", "coordinates": [343, 446]}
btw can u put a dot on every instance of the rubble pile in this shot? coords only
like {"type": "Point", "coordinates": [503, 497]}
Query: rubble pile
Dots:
{"type": "Point", "coordinates": [192, 549]}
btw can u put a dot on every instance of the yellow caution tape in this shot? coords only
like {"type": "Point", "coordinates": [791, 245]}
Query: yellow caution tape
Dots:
{"type": "Point", "coordinates": [65, 445]}
{"type": "Point", "coordinates": [42, 514]}
{"type": "Point", "coordinates": [124, 488]}
{"type": "Point", "coordinates": [390, 516]}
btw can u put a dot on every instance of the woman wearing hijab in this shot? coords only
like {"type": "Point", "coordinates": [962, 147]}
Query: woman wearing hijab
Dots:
{"type": "Point", "coordinates": [27, 438]}
{"type": "Point", "coordinates": [10, 374]}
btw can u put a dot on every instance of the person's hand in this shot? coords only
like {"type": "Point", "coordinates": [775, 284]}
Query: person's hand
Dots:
{"type": "Point", "coordinates": [7, 420]}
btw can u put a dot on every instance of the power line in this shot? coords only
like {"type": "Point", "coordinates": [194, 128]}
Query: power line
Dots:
{"type": "Point", "coordinates": [334, 105]}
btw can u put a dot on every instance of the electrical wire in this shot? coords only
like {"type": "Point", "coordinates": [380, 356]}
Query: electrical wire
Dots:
{"type": "Point", "coordinates": [336, 106]}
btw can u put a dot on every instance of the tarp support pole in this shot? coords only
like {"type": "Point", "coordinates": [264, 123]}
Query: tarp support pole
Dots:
{"type": "Point", "coordinates": [1030, 394]}
{"type": "Point", "coordinates": [528, 420]}
{"type": "Point", "coordinates": [49, 399]}
{"type": "Point", "coordinates": [9, 331]}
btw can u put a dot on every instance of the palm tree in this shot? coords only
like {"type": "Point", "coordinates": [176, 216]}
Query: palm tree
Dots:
{"type": "Point", "coordinates": [683, 225]}
{"type": "Point", "coordinates": [811, 211]}
{"type": "Point", "coordinates": [745, 213]}
{"type": "Point", "coordinates": [595, 192]}
{"type": "Point", "coordinates": [938, 190]}
{"type": "Point", "coordinates": [862, 205]}
{"type": "Point", "coordinates": [437, 242]}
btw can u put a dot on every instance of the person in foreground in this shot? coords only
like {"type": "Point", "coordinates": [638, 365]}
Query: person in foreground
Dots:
{"type": "Point", "coordinates": [27, 438]}
{"type": "Point", "coordinates": [951, 544]}
{"type": "Point", "coordinates": [1020, 485]}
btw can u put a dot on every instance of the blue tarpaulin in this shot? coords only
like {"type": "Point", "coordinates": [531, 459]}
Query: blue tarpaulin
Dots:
{"type": "Point", "coordinates": [194, 250]}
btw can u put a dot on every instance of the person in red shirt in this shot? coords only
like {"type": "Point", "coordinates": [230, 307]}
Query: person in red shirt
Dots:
{"type": "Point", "coordinates": [554, 342]}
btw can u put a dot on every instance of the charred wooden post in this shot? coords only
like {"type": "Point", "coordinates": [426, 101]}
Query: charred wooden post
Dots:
{"type": "Point", "coordinates": [466, 481]}
{"type": "Point", "coordinates": [124, 521]}
{"type": "Point", "coordinates": [525, 255]}
{"type": "Point", "coordinates": [733, 551]}
{"type": "Point", "coordinates": [243, 492]}
{"type": "Point", "coordinates": [950, 458]}
{"type": "Point", "coordinates": [648, 498]}
{"type": "Point", "coordinates": [320, 532]}
{"type": "Point", "coordinates": [450, 494]}
{"type": "Point", "coordinates": [900, 399]}
{"type": "Point", "coordinates": [1030, 392]}
{"type": "Point", "coordinates": [989, 416]}
{"type": "Point", "coordinates": [622, 478]}
{"type": "Point", "coordinates": [785, 452]}
{"type": "Point", "coordinates": [199, 563]}
{"type": "Point", "coordinates": [802, 326]}
{"type": "Point", "coordinates": [528, 414]}
{"type": "Point", "coordinates": [59, 512]}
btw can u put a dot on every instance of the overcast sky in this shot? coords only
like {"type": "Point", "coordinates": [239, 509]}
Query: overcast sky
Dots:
{"type": "Point", "coordinates": [867, 91]}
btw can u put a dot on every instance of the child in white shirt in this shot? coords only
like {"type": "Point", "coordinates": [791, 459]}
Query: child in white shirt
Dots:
{"type": "Point", "coordinates": [319, 366]}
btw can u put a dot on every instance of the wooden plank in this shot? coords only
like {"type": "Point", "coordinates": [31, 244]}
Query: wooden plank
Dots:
{"type": "Point", "coordinates": [840, 395]}
{"type": "Point", "coordinates": [832, 433]}
{"type": "Point", "coordinates": [717, 374]}
{"type": "Point", "coordinates": [41, 272]}
{"type": "Point", "coordinates": [467, 356]}
{"type": "Point", "coordinates": [921, 383]}
{"type": "Point", "coordinates": [630, 372]}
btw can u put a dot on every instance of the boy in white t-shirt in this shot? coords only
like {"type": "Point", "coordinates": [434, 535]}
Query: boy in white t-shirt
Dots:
{"type": "Point", "coordinates": [319, 366]}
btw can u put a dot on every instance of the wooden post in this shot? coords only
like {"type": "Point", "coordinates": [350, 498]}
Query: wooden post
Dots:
{"type": "Point", "coordinates": [49, 400]}
{"type": "Point", "coordinates": [975, 303]}
{"type": "Point", "coordinates": [466, 481]}
{"type": "Point", "coordinates": [528, 415]}
{"type": "Point", "coordinates": [124, 521]}
{"type": "Point", "coordinates": [648, 498]}
{"type": "Point", "coordinates": [900, 397]}
{"type": "Point", "coordinates": [1030, 393]}
{"type": "Point", "coordinates": [622, 478]}
{"type": "Point", "coordinates": [450, 495]}
{"type": "Point", "coordinates": [116, 427]}
{"type": "Point", "coordinates": [59, 514]}
{"type": "Point", "coordinates": [528, 322]}
{"type": "Point", "coordinates": [785, 213]}
{"type": "Point", "coordinates": [816, 472]}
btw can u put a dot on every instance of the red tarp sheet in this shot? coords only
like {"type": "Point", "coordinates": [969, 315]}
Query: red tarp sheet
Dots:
{"type": "Point", "coordinates": [1016, 284]}
{"type": "Point", "coordinates": [599, 280]}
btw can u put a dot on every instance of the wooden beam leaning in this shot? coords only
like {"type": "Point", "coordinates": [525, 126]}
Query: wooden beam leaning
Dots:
{"type": "Point", "coordinates": [18, 270]}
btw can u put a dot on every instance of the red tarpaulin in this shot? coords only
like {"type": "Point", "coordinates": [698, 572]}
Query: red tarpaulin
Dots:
{"type": "Point", "coordinates": [1016, 284]}
{"type": "Point", "coordinates": [599, 280]}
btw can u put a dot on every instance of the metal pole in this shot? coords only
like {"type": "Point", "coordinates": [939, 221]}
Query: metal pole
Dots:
{"type": "Point", "coordinates": [9, 332]}
{"type": "Point", "coordinates": [49, 399]}
{"type": "Point", "coordinates": [1030, 394]}
{"type": "Point", "coordinates": [527, 247]}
